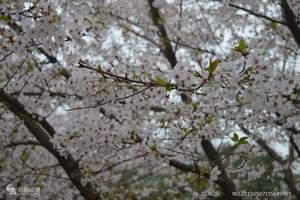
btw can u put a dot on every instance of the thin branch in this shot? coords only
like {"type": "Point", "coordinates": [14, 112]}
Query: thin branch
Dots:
{"type": "Point", "coordinates": [125, 79]}
{"type": "Point", "coordinates": [110, 167]}
{"type": "Point", "coordinates": [4, 57]}
{"type": "Point", "coordinates": [116, 77]}
{"type": "Point", "coordinates": [51, 94]}
{"type": "Point", "coordinates": [140, 35]}
{"type": "Point", "coordinates": [15, 72]}
{"type": "Point", "coordinates": [123, 19]}
{"type": "Point", "coordinates": [209, 28]}
{"type": "Point", "coordinates": [193, 48]}
{"type": "Point", "coordinates": [18, 143]}
{"type": "Point", "coordinates": [259, 15]}
{"type": "Point", "coordinates": [111, 101]}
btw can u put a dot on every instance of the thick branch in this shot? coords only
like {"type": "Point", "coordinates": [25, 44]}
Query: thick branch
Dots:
{"type": "Point", "coordinates": [294, 131]}
{"type": "Point", "coordinates": [290, 181]}
{"type": "Point", "coordinates": [167, 46]}
{"type": "Point", "coordinates": [290, 20]}
{"type": "Point", "coordinates": [187, 168]}
{"type": "Point", "coordinates": [294, 144]}
{"type": "Point", "coordinates": [264, 145]}
{"type": "Point", "coordinates": [226, 185]}
{"type": "Point", "coordinates": [67, 162]}
{"type": "Point", "coordinates": [288, 174]}
{"type": "Point", "coordinates": [51, 58]}
{"type": "Point", "coordinates": [183, 167]}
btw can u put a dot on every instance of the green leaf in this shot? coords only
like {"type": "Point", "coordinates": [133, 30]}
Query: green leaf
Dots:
{"type": "Point", "coordinates": [100, 24]}
{"type": "Point", "coordinates": [162, 121]}
{"type": "Point", "coordinates": [240, 100]}
{"type": "Point", "coordinates": [161, 82]}
{"type": "Point", "coordinates": [196, 74]}
{"type": "Point", "coordinates": [297, 92]}
{"type": "Point", "coordinates": [202, 170]}
{"type": "Point", "coordinates": [64, 72]}
{"type": "Point", "coordinates": [177, 112]}
{"type": "Point", "coordinates": [24, 155]}
{"type": "Point", "coordinates": [212, 67]}
{"type": "Point", "coordinates": [195, 106]}
{"type": "Point", "coordinates": [7, 19]}
{"type": "Point", "coordinates": [242, 47]}
{"type": "Point", "coordinates": [202, 183]}
{"type": "Point", "coordinates": [98, 9]}
{"type": "Point", "coordinates": [243, 140]}
{"type": "Point", "coordinates": [169, 87]}
{"type": "Point", "coordinates": [30, 65]}
{"type": "Point", "coordinates": [54, 19]}
{"type": "Point", "coordinates": [2, 162]}
{"type": "Point", "coordinates": [4, 18]}
{"type": "Point", "coordinates": [235, 137]}
{"type": "Point", "coordinates": [153, 148]}
{"type": "Point", "coordinates": [208, 119]}
{"type": "Point", "coordinates": [273, 25]}
{"type": "Point", "coordinates": [187, 131]}
{"type": "Point", "coordinates": [43, 172]}
{"type": "Point", "coordinates": [162, 18]}
{"type": "Point", "coordinates": [164, 40]}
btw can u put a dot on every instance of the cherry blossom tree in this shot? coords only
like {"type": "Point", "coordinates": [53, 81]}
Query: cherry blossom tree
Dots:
{"type": "Point", "coordinates": [140, 99]}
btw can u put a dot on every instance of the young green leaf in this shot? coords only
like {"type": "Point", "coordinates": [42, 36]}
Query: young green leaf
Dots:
{"type": "Point", "coordinates": [161, 82]}
{"type": "Point", "coordinates": [212, 67]}
{"type": "Point", "coordinates": [243, 140]}
{"type": "Point", "coordinates": [196, 74]}
{"type": "Point", "coordinates": [64, 72]}
{"type": "Point", "coordinates": [235, 137]}
{"type": "Point", "coordinates": [153, 148]}
{"type": "Point", "coordinates": [242, 47]}
{"type": "Point", "coordinates": [24, 155]}
{"type": "Point", "coordinates": [273, 25]}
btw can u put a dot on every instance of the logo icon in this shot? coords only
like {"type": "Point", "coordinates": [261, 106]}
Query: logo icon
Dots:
{"type": "Point", "coordinates": [11, 189]}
